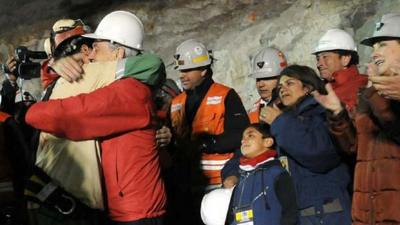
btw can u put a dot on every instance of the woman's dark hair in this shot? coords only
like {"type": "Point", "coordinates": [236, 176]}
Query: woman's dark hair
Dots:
{"type": "Point", "coordinates": [72, 46]}
{"type": "Point", "coordinates": [307, 76]}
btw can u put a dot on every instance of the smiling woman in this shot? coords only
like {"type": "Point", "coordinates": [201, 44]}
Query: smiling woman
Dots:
{"type": "Point", "coordinates": [296, 83]}
{"type": "Point", "coordinates": [304, 143]}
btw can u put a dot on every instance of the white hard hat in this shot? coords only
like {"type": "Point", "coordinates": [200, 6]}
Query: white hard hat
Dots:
{"type": "Point", "coordinates": [122, 27]}
{"type": "Point", "coordinates": [268, 62]}
{"type": "Point", "coordinates": [387, 29]}
{"type": "Point", "coordinates": [214, 206]}
{"type": "Point", "coordinates": [191, 54]}
{"type": "Point", "coordinates": [335, 39]}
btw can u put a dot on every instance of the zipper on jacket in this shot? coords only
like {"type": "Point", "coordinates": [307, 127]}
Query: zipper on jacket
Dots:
{"type": "Point", "coordinates": [243, 185]}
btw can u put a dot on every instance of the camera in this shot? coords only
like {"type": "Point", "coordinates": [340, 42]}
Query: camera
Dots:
{"type": "Point", "coordinates": [25, 67]}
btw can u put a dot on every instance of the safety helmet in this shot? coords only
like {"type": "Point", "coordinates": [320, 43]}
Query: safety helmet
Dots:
{"type": "Point", "coordinates": [268, 62]}
{"type": "Point", "coordinates": [214, 206]}
{"type": "Point", "coordinates": [65, 29]}
{"type": "Point", "coordinates": [47, 46]}
{"type": "Point", "coordinates": [386, 29]}
{"type": "Point", "coordinates": [335, 39]}
{"type": "Point", "coordinates": [192, 54]}
{"type": "Point", "coordinates": [122, 27]}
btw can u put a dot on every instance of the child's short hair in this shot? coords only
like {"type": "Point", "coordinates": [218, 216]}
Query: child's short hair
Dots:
{"type": "Point", "coordinates": [263, 128]}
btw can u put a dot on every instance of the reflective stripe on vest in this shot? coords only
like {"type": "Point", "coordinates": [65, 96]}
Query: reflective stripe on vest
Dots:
{"type": "Point", "coordinates": [209, 119]}
{"type": "Point", "coordinates": [212, 165]}
{"type": "Point", "coordinates": [6, 186]}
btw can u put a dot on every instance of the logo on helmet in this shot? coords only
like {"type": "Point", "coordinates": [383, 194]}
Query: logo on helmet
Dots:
{"type": "Point", "coordinates": [283, 62]}
{"type": "Point", "coordinates": [379, 26]}
{"type": "Point", "coordinates": [198, 50]}
{"type": "Point", "coordinates": [260, 64]}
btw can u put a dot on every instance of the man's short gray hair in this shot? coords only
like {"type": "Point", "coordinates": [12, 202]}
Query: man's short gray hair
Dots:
{"type": "Point", "coordinates": [127, 51]}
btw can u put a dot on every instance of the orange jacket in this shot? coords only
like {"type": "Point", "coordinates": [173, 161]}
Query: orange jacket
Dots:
{"type": "Point", "coordinates": [254, 112]}
{"type": "Point", "coordinates": [209, 119]}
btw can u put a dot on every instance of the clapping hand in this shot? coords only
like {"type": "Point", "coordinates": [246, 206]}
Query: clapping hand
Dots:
{"type": "Point", "coordinates": [330, 101]}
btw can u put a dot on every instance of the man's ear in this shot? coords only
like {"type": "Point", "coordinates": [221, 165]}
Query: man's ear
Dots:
{"type": "Point", "coordinates": [345, 60]}
{"type": "Point", "coordinates": [85, 50]}
{"type": "Point", "coordinates": [120, 53]}
{"type": "Point", "coordinates": [203, 73]}
{"type": "Point", "coordinates": [268, 142]}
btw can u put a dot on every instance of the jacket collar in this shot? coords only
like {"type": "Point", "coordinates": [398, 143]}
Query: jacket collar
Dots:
{"type": "Point", "coordinates": [303, 105]}
{"type": "Point", "coordinates": [202, 88]}
{"type": "Point", "coordinates": [343, 76]}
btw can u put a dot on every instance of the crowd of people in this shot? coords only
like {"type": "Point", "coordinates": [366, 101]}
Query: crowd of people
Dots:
{"type": "Point", "coordinates": [113, 141]}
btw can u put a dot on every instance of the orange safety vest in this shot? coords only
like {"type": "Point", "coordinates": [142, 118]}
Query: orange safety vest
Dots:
{"type": "Point", "coordinates": [254, 112]}
{"type": "Point", "coordinates": [209, 119]}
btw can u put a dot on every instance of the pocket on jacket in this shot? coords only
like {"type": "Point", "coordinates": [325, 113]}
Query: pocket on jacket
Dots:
{"type": "Point", "coordinates": [204, 123]}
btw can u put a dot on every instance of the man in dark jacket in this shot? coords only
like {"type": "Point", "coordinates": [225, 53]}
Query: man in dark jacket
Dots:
{"type": "Point", "coordinates": [207, 121]}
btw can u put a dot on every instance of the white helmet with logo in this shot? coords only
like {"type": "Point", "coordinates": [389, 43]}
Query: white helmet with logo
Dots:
{"type": "Point", "coordinates": [191, 54]}
{"type": "Point", "coordinates": [335, 39]}
{"type": "Point", "coordinates": [268, 62]}
{"type": "Point", "coordinates": [214, 206]}
{"type": "Point", "coordinates": [122, 27]}
{"type": "Point", "coordinates": [388, 28]}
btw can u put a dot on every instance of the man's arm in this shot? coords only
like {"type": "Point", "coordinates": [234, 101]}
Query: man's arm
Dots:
{"type": "Point", "coordinates": [119, 107]}
{"type": "Point", "coordinates": [342, 129]}
{"type": "Point", "coordinates": [230, 171]}
{"type": "Point", "coordinates": [286, 194]}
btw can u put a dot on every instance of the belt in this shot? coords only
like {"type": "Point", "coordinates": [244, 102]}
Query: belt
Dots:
{"type": "Point", "coordinates": [41, 189]}
{"type": "Point", "coordinates": [330, 207]}
{"type": "Point", "coordinates": [81, 213]}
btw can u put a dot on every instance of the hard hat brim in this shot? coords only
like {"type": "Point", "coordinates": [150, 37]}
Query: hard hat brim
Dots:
{"type": "Point", "coordinates": [93, 36]}
{"type": "Point", "coordinates": [97, 37]}
{"type": "Point", "coordinates": [331, 50]}
{"type": "Point", "coordinates": [372, 40]}
{"type": "Point", "coordinates": [263, 75]}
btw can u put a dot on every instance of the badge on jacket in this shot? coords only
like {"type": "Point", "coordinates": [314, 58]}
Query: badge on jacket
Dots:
{"type": "Point", "coordinates": [244, 216]}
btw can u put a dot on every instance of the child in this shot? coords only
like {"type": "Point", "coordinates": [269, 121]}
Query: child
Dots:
{"type": "Point", "coordinates": [265, 194]}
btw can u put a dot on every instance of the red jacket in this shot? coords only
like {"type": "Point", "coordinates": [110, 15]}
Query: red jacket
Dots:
{"type": "Point", "coordinates": [120, 116]}
{"type": "Point", "coordinates": [346, 84]}
{"type": "Point", "coordinates": [47, 76]}
{"type": "Point", "coordinates": [376, 141]}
